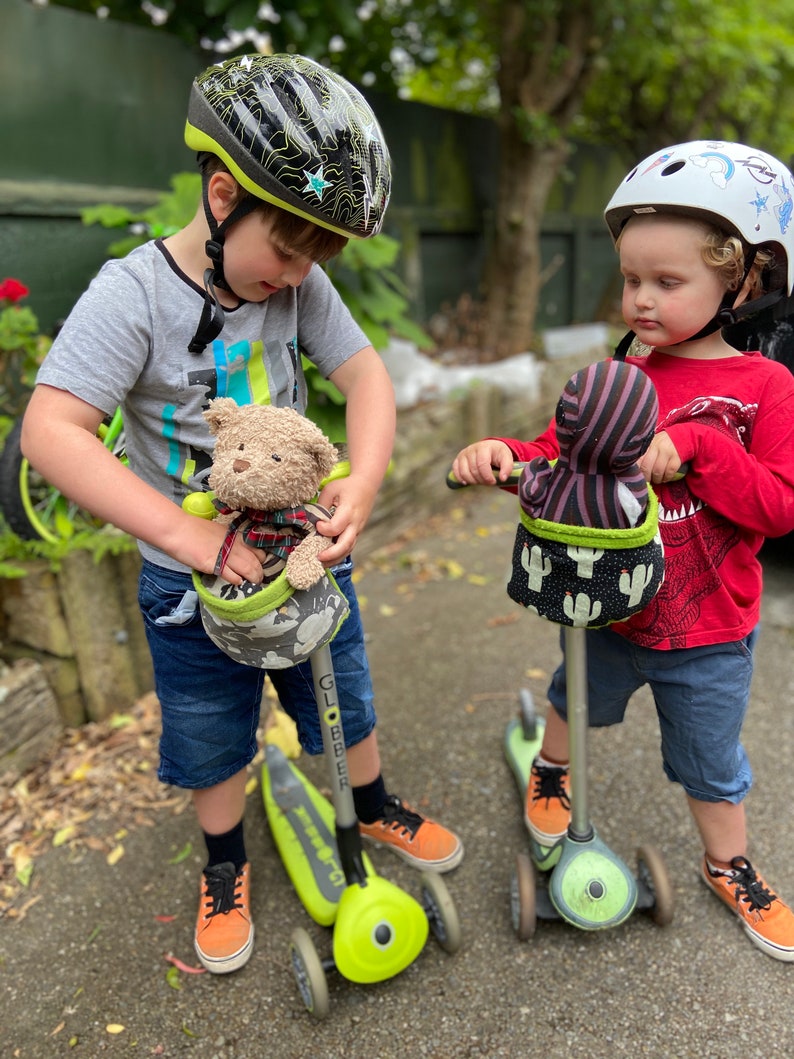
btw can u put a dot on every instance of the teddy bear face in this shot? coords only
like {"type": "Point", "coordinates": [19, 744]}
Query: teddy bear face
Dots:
{"type": "Point", "coordinates": [266, 458]}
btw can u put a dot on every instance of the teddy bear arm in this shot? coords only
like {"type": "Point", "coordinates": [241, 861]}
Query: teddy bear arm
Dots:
{"type": "Point", "coordinates": [304, 569]}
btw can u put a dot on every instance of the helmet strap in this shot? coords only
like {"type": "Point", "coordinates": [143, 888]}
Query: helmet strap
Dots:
{"type": "Point", "coordinates": [212, 317]}
{"type": "Point", "coordinates": [212, 314]}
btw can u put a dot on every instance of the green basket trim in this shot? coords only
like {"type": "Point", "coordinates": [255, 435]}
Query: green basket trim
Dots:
{"type": "Point", "coordinates": [590, 537]}
{"type": "Point", "coordinates": [270, 598]}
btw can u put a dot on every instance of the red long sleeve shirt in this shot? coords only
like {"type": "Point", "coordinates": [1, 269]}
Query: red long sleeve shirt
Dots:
{"type": "Point", "coordinates": [732, 421]}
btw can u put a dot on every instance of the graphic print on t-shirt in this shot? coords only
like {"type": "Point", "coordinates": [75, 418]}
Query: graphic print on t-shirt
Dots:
{"type": "Point", "coordinates": [696, 539]}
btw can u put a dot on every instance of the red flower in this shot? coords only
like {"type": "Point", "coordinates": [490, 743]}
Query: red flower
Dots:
{"type": "Point", "coordinates": [12, 290]}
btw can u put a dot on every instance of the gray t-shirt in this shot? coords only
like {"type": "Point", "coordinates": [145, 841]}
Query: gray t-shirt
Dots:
{"type": "Point", "coordinates": [125, 343]}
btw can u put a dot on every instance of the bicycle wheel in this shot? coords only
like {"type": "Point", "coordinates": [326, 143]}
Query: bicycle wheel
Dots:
{"type": "Point", "coordinates": [34, 509]}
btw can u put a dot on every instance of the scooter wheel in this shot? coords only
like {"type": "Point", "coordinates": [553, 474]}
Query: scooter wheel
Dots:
{"type": "Point", "coordinates": [441, 912]}
{"type": "Point", "coordinates": [522, 898]}
{"type": "Point", "coordinates": [309, 974]}
{"type": "Point", "coordinates": [652, 872]}
{"type": "Point", "coordinates": [529, 718]}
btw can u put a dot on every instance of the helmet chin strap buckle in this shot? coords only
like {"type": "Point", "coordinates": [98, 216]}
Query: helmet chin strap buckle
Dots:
{"type": "Point", "coordinates": [727, 317]}
{"type": "Point", "coordinates": [214, 249]}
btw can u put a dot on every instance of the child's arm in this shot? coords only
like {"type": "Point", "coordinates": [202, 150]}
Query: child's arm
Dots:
{"type": "Point", "coordinates": [483, 463]}
{"type": "Point", "coordinates": [491, 460]}
{"type": "Point", "coordinates": [371, 421]}
{"type": "Point", "coordinates": [59, 439]}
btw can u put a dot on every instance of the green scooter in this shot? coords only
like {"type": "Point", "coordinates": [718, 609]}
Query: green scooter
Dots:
{"type": "Point", "coordinates": [378, 929]}
{"type": "Point", "coordinates": [585, 882]}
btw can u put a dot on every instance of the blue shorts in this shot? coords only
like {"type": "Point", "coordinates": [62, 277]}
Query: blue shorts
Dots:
{"type": "Point", "coordinates": [701, 696]}
{"type": "Point", "coordinates": [210, 703]}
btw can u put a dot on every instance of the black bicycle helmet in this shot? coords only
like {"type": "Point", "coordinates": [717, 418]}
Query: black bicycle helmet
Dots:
{"type": "Point", "coordinates": [294, 134]}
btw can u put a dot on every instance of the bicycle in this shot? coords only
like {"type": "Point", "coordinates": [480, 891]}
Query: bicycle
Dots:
{"type": "Point", "coordinates": [36, 510]}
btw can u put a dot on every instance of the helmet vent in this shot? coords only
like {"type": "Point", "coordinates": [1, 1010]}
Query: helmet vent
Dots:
{"type": "Point", "coordinates": [673, 167]}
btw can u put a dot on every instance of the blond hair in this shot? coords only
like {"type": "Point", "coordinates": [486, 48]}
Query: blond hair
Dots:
{"type": "Point", "coordinates": [726, 255]}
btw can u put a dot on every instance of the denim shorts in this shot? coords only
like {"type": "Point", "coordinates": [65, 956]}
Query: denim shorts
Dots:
{"type": "Point", "coordinates": [701, 696]}
{"type": "Point", "coordinates": [210, 703]}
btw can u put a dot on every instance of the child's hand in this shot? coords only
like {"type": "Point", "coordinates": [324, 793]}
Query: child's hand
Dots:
{"type": "Point", "coordinates": [200, 549]}
{"type": "Point", "coordinates": [660, 462]}
{"type": "Point", "coordinates": [483, 463]}
{"type": "Point", "coordinates": [352, 500]}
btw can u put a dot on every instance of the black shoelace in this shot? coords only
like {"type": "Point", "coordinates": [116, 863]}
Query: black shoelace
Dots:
{"type": "Point", "coordinates": [394, 812]}
{"type": "Point", "coordinates": [548, 784]}
{"type": "Point", "coordinates": [222, 884]}
{"type": "Point", "coordinates": [749, 887]}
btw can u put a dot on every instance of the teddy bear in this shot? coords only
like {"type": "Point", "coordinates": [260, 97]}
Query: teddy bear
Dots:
{"type": "Point", "coordinates": [268, 464]}
{"type": "Point", "coordinates": [587, 551]}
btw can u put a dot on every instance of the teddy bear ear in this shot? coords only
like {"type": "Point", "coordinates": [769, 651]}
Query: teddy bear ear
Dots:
{"type": "Point", "coordinates": [220, 413]}
{"type": "Point", "coordinates": [326, 455]}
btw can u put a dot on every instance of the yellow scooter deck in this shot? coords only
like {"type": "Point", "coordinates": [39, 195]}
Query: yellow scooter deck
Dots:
{"type": "Point", "coordinates": [303, 825]}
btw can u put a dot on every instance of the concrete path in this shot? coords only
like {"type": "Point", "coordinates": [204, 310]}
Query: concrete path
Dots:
{"type": "Point", "coordinates": [449, 651]}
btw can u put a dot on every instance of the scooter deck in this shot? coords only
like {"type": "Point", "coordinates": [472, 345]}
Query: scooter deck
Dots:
{"type": "Point", "coordinates": [520, 753]}
{"type": "Point", "coordinates": [303, 825]}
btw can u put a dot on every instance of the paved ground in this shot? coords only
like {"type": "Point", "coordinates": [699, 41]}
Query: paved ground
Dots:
{"type": "Point", "coordinates": [448, 651]}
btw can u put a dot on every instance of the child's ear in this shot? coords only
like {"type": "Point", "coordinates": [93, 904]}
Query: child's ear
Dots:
{"type": "Point", "coordinates": [223, 191]}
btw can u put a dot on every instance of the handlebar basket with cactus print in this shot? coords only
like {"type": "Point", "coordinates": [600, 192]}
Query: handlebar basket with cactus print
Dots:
{"type": "Point", "coordinates": [585, 577]}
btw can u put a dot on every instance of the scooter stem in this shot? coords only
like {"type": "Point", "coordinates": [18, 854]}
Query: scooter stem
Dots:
{"type": "Point", "coordinates": [580, 828]}
{"type": "Point", "coordinates": [348, 837]}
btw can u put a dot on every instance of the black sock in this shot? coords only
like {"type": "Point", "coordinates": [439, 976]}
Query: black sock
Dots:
{"type": "Point", "coordinates": [369, 800]}
{"type": "Point", "coordinates": [227, 847]}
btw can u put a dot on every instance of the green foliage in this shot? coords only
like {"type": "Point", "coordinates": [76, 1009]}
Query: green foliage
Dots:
{"type": "Point", "coordinates": [364, 276]}
{"type": "Point", "coordinates": [171, 212]}
{"type": "Point", "coordinates": [677, 70]}
{"type": "Point", "coordinates": [22, 348]}
{"type": "Point", "coordinates": [15, 551]}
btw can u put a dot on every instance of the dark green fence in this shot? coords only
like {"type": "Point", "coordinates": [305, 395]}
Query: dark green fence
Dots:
{"type": "Point", "coordinates": [94, 112]}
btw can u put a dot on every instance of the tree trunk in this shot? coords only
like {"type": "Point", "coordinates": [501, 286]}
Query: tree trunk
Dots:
{"type": "Point", "coordinates": [546, 53]}
{"type": "Point", "coordinates": [527, 173]}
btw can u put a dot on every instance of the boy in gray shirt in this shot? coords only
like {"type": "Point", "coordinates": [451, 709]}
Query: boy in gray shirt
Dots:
{"type": "Point", "coordinates": [293, 163]}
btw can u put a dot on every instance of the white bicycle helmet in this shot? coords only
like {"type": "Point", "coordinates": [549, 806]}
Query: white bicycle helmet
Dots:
{"type": "Point", "coordinates": [741, 189]}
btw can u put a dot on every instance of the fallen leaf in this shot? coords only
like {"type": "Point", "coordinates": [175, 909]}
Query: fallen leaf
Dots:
{"type": "Point", "coordinates": [172, 978]}
{"type": "Point", "coordinates": [183, 966]}
{"type": "Point", "coordinates": [387, 611]}
{"type": "Point", "coordinates": [115, 855]}
{"type": "Point", "coordinates": [114, 1027]}
{"type": "Point", "coordinates": [63, 834]}
{"type": "Point", "coordinates": [121, 720]}
{"type": "Point", "coordinates": [23, 862]}
{"type": "Point", "coordinates": [165, 919]}
{"type": "Point", "coordinates": [183, 854]}
{"type": "Point", "coordinates": [505, 619]}
{"type": "Point", "coordinates": [453, 568]}
{"type": "Point", "coordinates": [478, 579]}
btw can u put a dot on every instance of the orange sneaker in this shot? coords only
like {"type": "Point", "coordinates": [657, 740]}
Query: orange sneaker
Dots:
{"type": "Point", "coordinates": [767, 920]}
{"type": "Point", "coordinates": [422, 842]}
{"type": "Point", "coordinates": [224, 932]}
{"type": "Point", "coordinates": [548, 806]}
